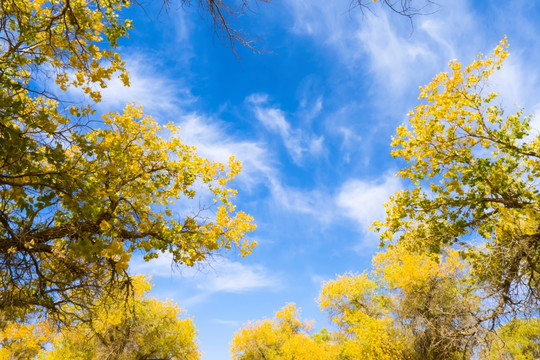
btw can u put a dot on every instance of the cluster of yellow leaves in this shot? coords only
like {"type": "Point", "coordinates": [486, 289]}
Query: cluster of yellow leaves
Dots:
{"type": "Point", "coordinates": [445, 143]}
{"type": "Point", "coordinates": [285, 337]}
{"type": "Point", "coordinates": [68, 36]}
{"type": "Point", "coordinates": [145, 175]}
{"type": "Point", "coordinates": [129, 328]}
{"type": "Point", "coordinates": [452, 109]}
{"type": "Point", "coordinates": [373, 311]}
{"type": "Point", "coordinates": [24, 341]}
{"type": "Point", "coordinates": [119, 327]}
{"type": "Point", "coordinates": [405, 270]}
{"type": "Point", "coordinates": [519, 338]}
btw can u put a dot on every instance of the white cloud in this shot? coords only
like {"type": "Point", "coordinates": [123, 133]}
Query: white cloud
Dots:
{"type": "Point", "coordinates": [274, 120]}
{"type": "Point", "coordinates": [235, 277]}
{"type": "Point", "coordinates": [349, 143]}
{"type": "Point", "coordinates": [161, 267]}
{"type": "Point", "coordinates": [535, 122]}
{"type": "Point", "coordinates": [439, 32]}
{"type": "Point", "coordinates": [310, 110]}
{"type": "Point", "coordinates": [318, 279]}
{"type": "Point", "coordinates": [296, 141]}
{"type": "Point", "coordinates": [394, 61]}
{"type": "Point", "coordinates": [258, 165]}
{"type": "Point", "coordinates": [518, 88]}
{"type": "Point", "coordinates": [217, 275]}
{"type": "Point", "coordinates": [312, 202]}
{"type": "Point", "coordinates": [516, 82]}
{"type": "Point", "coordinates": [212, 142]}
{"type": "Point", "coordinates": [329, 20]}
{"type": "Point", "coordinates": [363, 201]}
{"type": "Point", "coordinates": [233, 324]}
{"type": "Point", "coordinates": [316, 146]}
{"type": "Point", "coordinates": [158, 94]}
{"type": "Point", "coordinates": [400, 54]}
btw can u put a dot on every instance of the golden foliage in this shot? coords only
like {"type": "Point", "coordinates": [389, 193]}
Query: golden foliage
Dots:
{"type": "Point", "coordinates": [80, 192]}
{"type": "Point", "coordinates": [125, 329]}
{"type": "Point", "coordinates": [285, 337]}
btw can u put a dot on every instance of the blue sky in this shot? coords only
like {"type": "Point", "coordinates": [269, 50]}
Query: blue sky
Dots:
{"type": "Point", "coordinates": [311, 119]}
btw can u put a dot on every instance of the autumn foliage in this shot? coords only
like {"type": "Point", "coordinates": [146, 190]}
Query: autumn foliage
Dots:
{"type": "Point", "coordinates": [79, 199]}
{"type": "Point", "coordinates": [82, 192]}
{"type": "Point", "coordinates": [458, 275]}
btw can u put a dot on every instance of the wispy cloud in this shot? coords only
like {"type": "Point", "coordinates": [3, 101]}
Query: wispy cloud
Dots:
{"type": "Point", "coordinates": [330, 23]}
{"type": "Point", "coordinates": [161, 267]}
{"type": "Point", "coordinates": [161, 95]}
{"type": "Point", "coordinates": [274, 120]}
{"type": "Point", "coordinates": [297, 142]}
{"type": "Point", "coordinates": [235, 277]}
{"type": "Point", "coordinates": [518, 87]}
{"type": "Point", "coordinates": [217, 275]}
{"type": "Point", "coordinates": [398, 53]}
{"type": "Point", "coordinates": [393, 61]}
{"type": "Point", "coordinates": [258, 164]}
{"type": "Point", "coordinates": [233, 324]}
{"type": "Point", "coordinates": [363, 202]}
{"type": "Point", "coordinates": [516, 82]}
{"type": "Point", "coordinates": [311, 202]}
{"type": "Point", "coordinates": [212, 141]}
{"type": "Point", "coordinates": [150, 87]}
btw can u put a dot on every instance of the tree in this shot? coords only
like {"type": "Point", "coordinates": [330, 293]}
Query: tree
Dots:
{"type": "Point", "coordinates": [80, 193]}
{"type": "Point", "coordinates": [459, 276]}
{"type": "Point", "coordinates": [410, 307]}
{"type": "Point", "coordinates": [365, 325]}
{"type": "Point", "coordinates": [120, 328]}
{"type": "Point", "coordinates": [142, 328]}
{"type": "Point", "coordinates": [518, 339]}
{"type": "Point", "coordinates": [20, 341]}
{"type": "Point", "coordinates": [474, 171]}
{"type": "Point", "coordinates": [284, 337]}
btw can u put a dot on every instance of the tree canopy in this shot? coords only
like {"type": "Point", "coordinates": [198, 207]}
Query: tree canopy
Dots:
{"type": "Point", "coordinates": [458, 274]}
{"type": "Point", "coordinates": [410, 307]}
{"type": "Point", "coordinates": [284, 337]}
{"type": "Point", "coordinates": [116, 327]}
{"type": "Point", "coordinates": [80, 192]}
{"type": "Point", "coordinates": [474, 170]}
{"type": "Point", "coordinates": [141, 328]}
